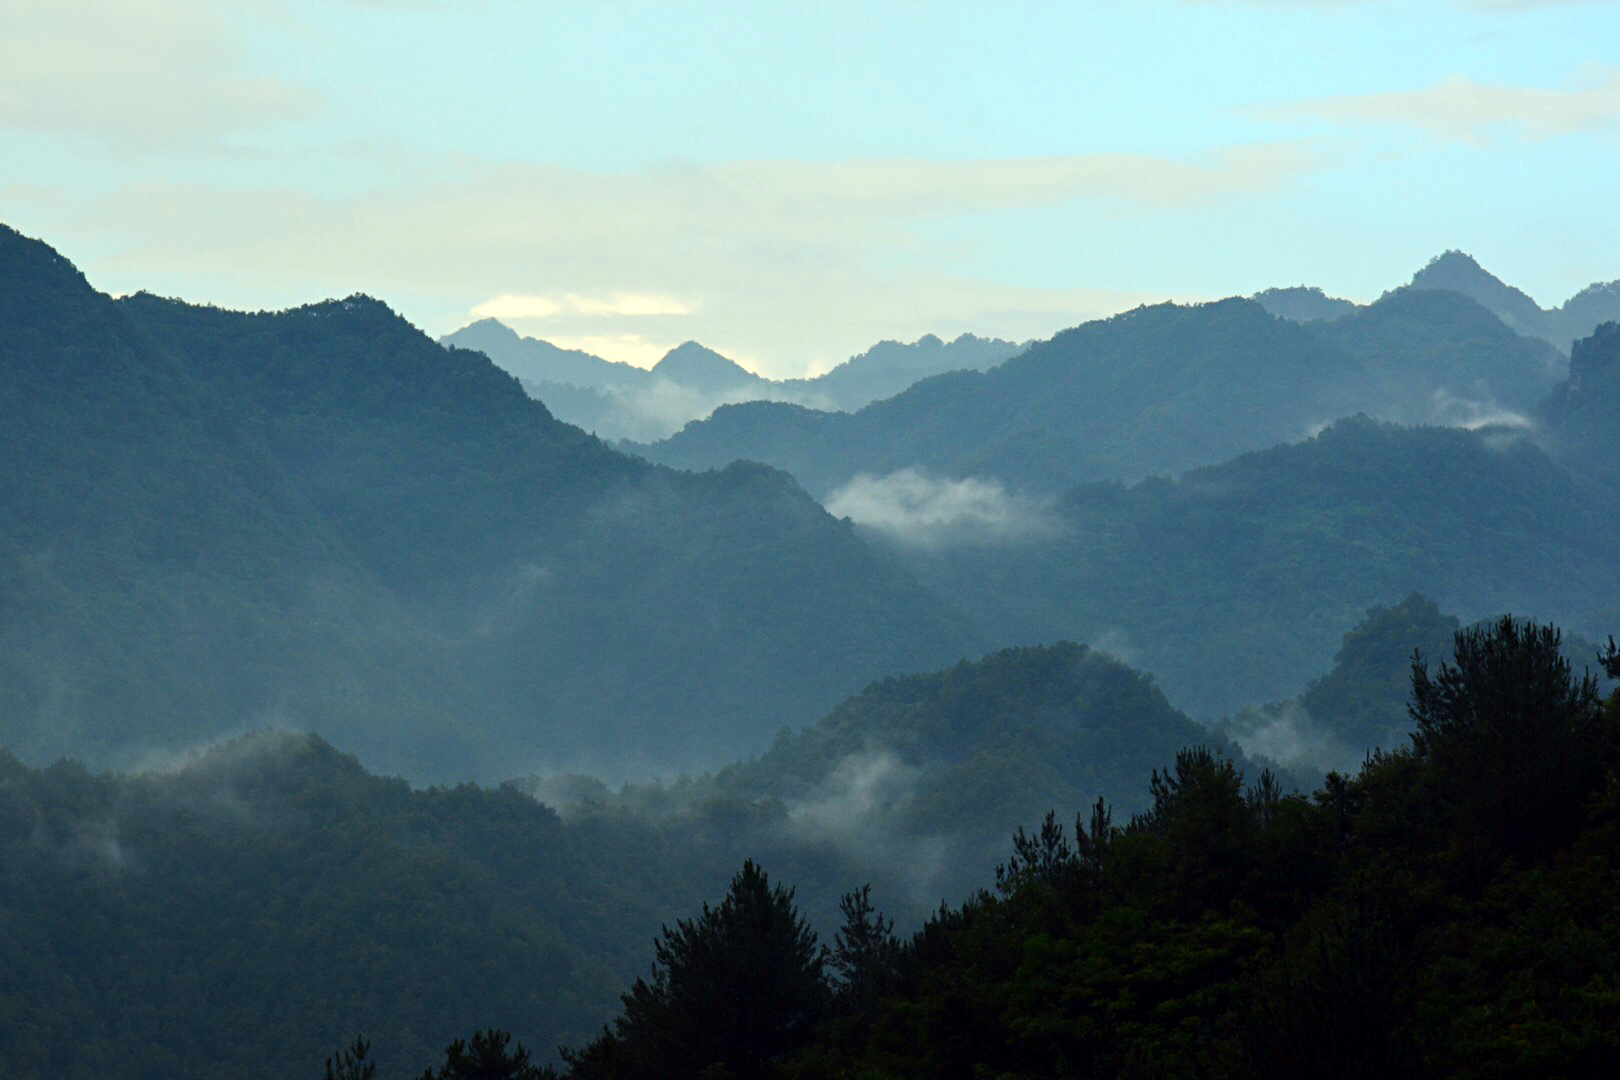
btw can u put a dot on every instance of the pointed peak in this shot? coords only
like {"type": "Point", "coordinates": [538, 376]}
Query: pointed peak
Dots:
{"type": "Point", "coordinates": [1458, 271]}
{"type": "Point", "coordinates": [690, 361]}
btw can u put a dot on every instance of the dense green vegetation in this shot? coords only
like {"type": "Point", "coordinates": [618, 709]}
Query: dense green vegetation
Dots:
{"type": "Point", "coordinates": [270, 888]}
{"type": "Point", "coordinates": [915, 783]}
{"type": "Point", "coordinates": [1235, 582]}
{"type": "Point", "coordinates": [1359, 706]}
{"type": "Point", "coordinates": [321, 519]}
{"type": "Point", "coordinates": [1447, 911]}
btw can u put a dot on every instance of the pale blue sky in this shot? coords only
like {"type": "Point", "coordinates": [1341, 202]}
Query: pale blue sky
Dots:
{"type": "Point", "coordinates": [788, 183]}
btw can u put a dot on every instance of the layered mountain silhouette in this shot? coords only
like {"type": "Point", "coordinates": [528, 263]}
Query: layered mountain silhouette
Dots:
{"type": "Point", "coordinates": [320, 518]}
{"type": "Point", "coordinates": [1234, 581]}
{"type": "Point", "coordinates": [620, 401]}
{"type": "Point", "coordinates": [1459, 272]}
{"type": "Point", "coordinates": [1157, 390]}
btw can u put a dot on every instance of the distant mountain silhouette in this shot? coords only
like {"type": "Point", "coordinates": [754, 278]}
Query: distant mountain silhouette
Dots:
{"type": "Point", "coordinates": [621, 401]}
{"type": "Point", "coordinates": [533, 360]}
{"type": "Point", "coordinates": [1234, 583]}
{"type": "Point", "coordinates": [1458, 272]}
{"type": "Point", "coordinates": [1158, 390]}
{"type": "Point", "coordinates": [1301, 303]}
{"type": "Point", "coordinates": [703, 369]}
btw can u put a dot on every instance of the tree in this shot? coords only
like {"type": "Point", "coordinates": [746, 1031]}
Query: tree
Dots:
{"type": "Point", "coordinates": [486, 1057]}
{"type": "Point", "coordinates": [865, 951]}
{"type": "Point", "coordinates": [1513, 736]}
{"type": "Point", "coordinates": [351, 1063]}
{"type": "Point", "coordinates": [731, 993]}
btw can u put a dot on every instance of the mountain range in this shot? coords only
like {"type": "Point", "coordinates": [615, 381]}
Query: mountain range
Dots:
{"type": "Point", "coordinates": [1157, 390]}
{"type": "Point", "coordinates": [621, 401]}
{"type": "Point", "coordinates": [1459, 272]}
{"type": "Point", "coordinates": [219, 521]}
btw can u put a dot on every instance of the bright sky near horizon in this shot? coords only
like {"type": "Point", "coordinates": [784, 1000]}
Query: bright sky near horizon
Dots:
{"type": "Point", "coordinates": [789, 183]}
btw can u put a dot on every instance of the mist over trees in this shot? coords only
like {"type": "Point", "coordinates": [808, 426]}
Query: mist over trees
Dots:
{"type": "Point", "coordinates": [1194, 739]}
{"type": "Point", "coordinates": [1447, 910]}
{"type": "Point", "coordinates": [320, 519]}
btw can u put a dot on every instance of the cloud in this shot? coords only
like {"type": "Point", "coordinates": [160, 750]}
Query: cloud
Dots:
{"type": "Point", "coordinates": [860, 789]}
{"type": "Point", "coordinates": [160, 73]}
{"type": "Point", "coordinates": [1287, 734]}
{"type": "Point", "coordinates": [1449, 410]}
{"type": "Point", "coordinates": [917, 509]}
{"type": "Point", "coordinates": [509, 306]}
{"type": "Point", "coordinates": [1459, 109]}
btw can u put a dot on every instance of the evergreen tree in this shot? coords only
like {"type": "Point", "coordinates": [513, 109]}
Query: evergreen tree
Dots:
{"type": "Point", "coordinates": [1513, 734]}
{"type": "Point", "coordinates": [864, 952]}
{"type": "Point", "coordinates": [352, 1062]}
{"type": "Point", "coordinates": [732, 992]}
{"type": "Point", "coordinates": [485, 1057]}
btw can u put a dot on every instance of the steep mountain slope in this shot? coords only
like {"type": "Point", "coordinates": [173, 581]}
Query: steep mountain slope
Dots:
{"type": "Point", "coordinates": [1581, 417]}
{"type": "Point", "coordinates": [321, 518]}
{"type": "Point", "coordinates": [1234, 583]}
{"type": "Point", "coordinates": [1440, 357]}
{"type": "Point", "coordinates": [161, 568]}
{"type": "Point", "coordinates": [1455, 271]}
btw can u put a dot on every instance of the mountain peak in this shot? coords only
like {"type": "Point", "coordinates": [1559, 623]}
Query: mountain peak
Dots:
{"type": "Point", "coordinates": [701, 367]}
{"type": "Point", "coordinates": [1457, 271]}
{"type": "Point", "coordinates": [488, 328]}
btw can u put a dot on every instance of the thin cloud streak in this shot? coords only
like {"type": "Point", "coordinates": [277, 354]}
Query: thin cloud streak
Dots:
{"type": "Point", "coordinates": [795, 263]}
{"type": "Point", "coordinates": [163, 74]}
{"type": "Point", "coordinates": [1459, 109]}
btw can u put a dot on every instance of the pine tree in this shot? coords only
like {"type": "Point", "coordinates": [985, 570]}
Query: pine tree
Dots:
{"type": "Point", "coordinates": [731, 993]}
{"type": "Point", "coordinates": [1513, 735]}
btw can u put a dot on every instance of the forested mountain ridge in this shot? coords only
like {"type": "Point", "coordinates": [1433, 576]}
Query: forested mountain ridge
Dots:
{"type": "Point", "coordinates": [1234, 582]}
{"type": "Point", "coordinates": [1158, 390]}
{"type": "Point", "coordinates": [918, 780]}
{"type": "Point", "coordinates": [1445, 911]}
{"type": "Point", "coordinates": [273, 895]}
{"type": "Point", "coordinates": [321, 518]}
{"type": "Point", "coordinates": [236, 914]}
{"type": "Point", "coordinates": [1456, 271]}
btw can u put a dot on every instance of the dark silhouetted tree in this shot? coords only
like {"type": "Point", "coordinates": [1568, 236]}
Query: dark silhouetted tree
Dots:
{"type": "Point", "coordinates": [352, 1062]}
{"type": "Point", "coordinates": [1512, 733]}
{"type": "Point", "coordinates": [486, 1056]}
{"type": "Point", "coordinates": [864, 952]}
{"type": "Point", "coordinates": [732, 992]}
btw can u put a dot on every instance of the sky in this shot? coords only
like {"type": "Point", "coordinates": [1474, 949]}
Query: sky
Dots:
{"type": "Point", "coordinates": [789, 183]}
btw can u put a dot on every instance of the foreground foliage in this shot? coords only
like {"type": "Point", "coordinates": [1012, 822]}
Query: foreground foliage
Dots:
{"type": "Point", "coordinates": [1449, 911]}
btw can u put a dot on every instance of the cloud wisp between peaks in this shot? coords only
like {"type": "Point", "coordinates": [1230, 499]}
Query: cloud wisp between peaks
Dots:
{"type": "Point", "coordinates": [914, 508]}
